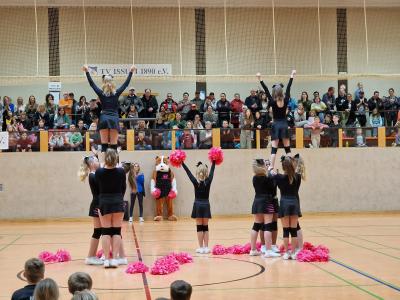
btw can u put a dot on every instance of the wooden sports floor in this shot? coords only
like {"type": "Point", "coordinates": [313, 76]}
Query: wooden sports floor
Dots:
{"type": "Point", "coordinates": [365, 259]}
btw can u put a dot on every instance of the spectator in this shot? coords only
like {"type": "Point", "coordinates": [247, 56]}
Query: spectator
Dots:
{"type": "Point", "coordinates": [375, 102]}
{"type": "Point", "coordinates": [178, 122]}
{"type": "Point", "coordinates": [181, 290]}
{"type": "Point", "coordinates": [189, 125]}
{"type": "Point", "coordinates": [212, 101]}
{"type": "Point", "coordinates": [142, 142]}
{"type": "Point", "coordinates": [197, 100]}
{"type": "Point", "coordinates": [329, 99]}
{"type": "Point", "coordinates": [79, 281]}
{"type": "Point", "coordinates": [20, 106]}
{"type": "Point", "coordinates": [93, 125]}
{"type": "Point", "coordinates": [227, 136]}
{"type": "Point", "coordinates": [375, 121]}
{"type": "Point", "coordinates": [261, 124]}
{"type": "Point", "coordinates": [305, 101]}
{"type": "Point", "coordinates": [84, 295]}
{"type": "Point", "coordinates": [253, 102]}
{"type": "Point", "coordinates": [319, 107]}
{"type": "Point", "coordinates": [197, 123]}
{"type": "Point", "coordinates": [316, 129]}
{"type": "Point", "coordinates": [33, 272]}
{"type": "Point", "coordinates": [132, 113]}
{"type": "Point", "coordinates": [264, 102]}
{"type": "Point", "coordinates": [160, 124]}
{"type": "Point", "coordinates": [360, 88]}
{"type": "Point", "coordinates": [223, 109]}
{"type": "Point", "coordinates": [131, 99]}
{"type": "Point", "coordinates": [333, 132]}
{"type": "Point", "coordinates": [246, 126]}
{"type": "Point", "coordinates": [328, 119]}
{"type": "Point", "coordinates": [73, 115]}
{"type": "Point", "coordinates": [41, 126]}
{"type": "Point", "coordinates": [143, 126]}
{"type": "Point", "coordinates": [192, 113]}
{"type": "Point", "coordinates": [185, 104]}
{"type": "Point", "coordinates": [7, 104]}
{"type": "Point", "coordinates": [24, 143]}
{"type": "Point", "coordinates": [74, 139]}
{"type": "Point", "coordinates": [25, 122]}
{"type": "Point", "coordinates": [340, 100]}
{"type": "Point", "coordinates": [362, 109]}
{"type": "Point", "coordinates": [51, 108]}
{"type": "Point", "coordinates": [61, 120]}
{"type": "Point", "coordinates": [41, 114]}
{"type": "Point", "coordinates": [392, 104]}
{"type": "Point", "coordinates": [13, 137]}
{"type": "Point", "coordinates": [206, 136]}
{"type": "Point", "coordinates": [56, 141]}
{"type": "Point", "coordinates": [350, 109]}
{"type": "Point", "coordinates": [81, 126]}
{"type": "Point", "coordinates": [170, 107]}
{"type": "Point", "coordinates": [8, 119]}
{"type": "Point", "coordinates": [66, 102]}
{"type": "Point", "coordinates": [210, 116]}
{"type": "Point", "coordinates": [82, 110]}
{"type": "Point", "coordinates": [360, 139]}
{"type": "Point", "coordinates": [206, 104]}
{"type": "Point", "coordinates": [46, 289]}
{"type": "Point", "coordinates": [299, 116]}
{"type": "Point", "coordinates": [150, 106]}
{"type": "Point", "coordinates": [237, 109]}
{"type": "Point", "coordinates": [95, 109]}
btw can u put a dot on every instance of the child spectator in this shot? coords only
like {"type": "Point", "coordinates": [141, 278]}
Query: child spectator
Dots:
{"type": "Point", "coordinates": [180, 290]}
{"type": "Point", "coordinates": [206, 136]}
{"type": "Point", "coordinates": [13, 137]}
{"type": "Point", "coordinates": [300, 118]}
{"type": "Point", "coordinates": [319, 107]}
{"type": "Point", "coordinates": [316, 128]}
{"type": "Point", "coordinates": [132, 113]}
{"type": "Point", "coordinates": [246, 125]}
{"type": "Point", "coordinates": [24, 144]}
{"type": "Point", "coordinates": [33, 272]}
{"type": "Point", "coordinates": [375, 121]}
{"type": "Point", "coordinates": [46, 289]}
{"type": "Point", "coordinates": [41, 126]}
{"type": "Point", "coordinates": [79, 281]}
{"type": "Point", "coordinates": [187, 139]}
{"type": "Point", "coordinates": [61, 120]}
{"type": "Point", "coordinates": [360, 140]}
{"type": "Point", "coordinates": [136, 183]}
{"type": "Point", "coordinates": [227, 136]}
{"type": "Point", "coordinates": [56, 141]}
{"type": "Point", "coordinates": [42, 114]}
{"type": "Point", "coordinates": [84, 295]}
{"type": "Point", "coordinates": [142, 142]}
{"type": "Point", "coordinates": [74, 139]}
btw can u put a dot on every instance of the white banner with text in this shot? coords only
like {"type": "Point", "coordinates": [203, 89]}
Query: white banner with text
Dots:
{"type": "Point", "coordinates": [142, 69]}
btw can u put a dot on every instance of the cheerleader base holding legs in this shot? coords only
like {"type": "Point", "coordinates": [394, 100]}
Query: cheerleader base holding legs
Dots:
{"type": "Point", "coordinates": [202, 235]}
{"type": "Point", "coordinates": [289, 224]}
{"type": "Point", "coordinates": [94, 244]}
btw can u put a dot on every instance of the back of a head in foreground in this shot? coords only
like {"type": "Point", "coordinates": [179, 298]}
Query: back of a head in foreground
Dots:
{"type": "Point", "coordinates": [34, 270]}
{"type": "Point", "coordinates": [46, 289]}
{"type": "Point", "coordinates": [79, 281]}
{"type": "Point", "coordinates": [180, 290]}
{"type": "Point", "coordinates": [84, 295]}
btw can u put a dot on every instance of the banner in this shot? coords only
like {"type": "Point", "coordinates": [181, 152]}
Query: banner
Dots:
{"type": "Point", "coordinates": [3, 140]}
{"type": "Point", "coordinates": [123, 70]}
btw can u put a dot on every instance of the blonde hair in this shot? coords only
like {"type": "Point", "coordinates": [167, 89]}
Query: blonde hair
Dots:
{"type": "Point", "coordinates": [300, 167]}
{"type": "Point", "coordinates": [84, 295]}
{"type": "Point", "coordinates": [259, 169]}
{"type": "Point", "coordinates": [41, 107]}
{"type": "Point", "coordinates": [46, 289]}
{"type": "Point", "coordinates": [288, 168]}
{"type": "Point", "coordinates": [277, 92]}
{"type": "Point", "coordinates": [111, 158]}
{"type": "Point", "coordinates": [202, 172]}
{"type": "Point", "coordinates": [132, 177]}
{"type": "Point", "coordinates": [108, 85]}
{"type": "Point", "coordinates": [84, 169]}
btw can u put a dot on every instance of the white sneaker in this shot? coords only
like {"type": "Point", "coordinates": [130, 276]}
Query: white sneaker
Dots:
{"type": "Point", "coordinates": [294, 256]}
{"type": "Point", "coordinates": [275, 249]}
{"type": "Point", "coordinates": [106, 264]}
{"type": "Point", "coordinates": [93, 261]}
{"type": "Point", "coordinates": [199, 250]}
{"type": "Point", "coordinates": [287, 255]}
{"type": "Point", "coordinates": [130, 220]}
{"type": "Point", "coordinates": [141, 220]}
{"type": "Point", "coordinates": [122, 261]}
{"type": "Point", "coordinates": [270, 253]}
{"type": "Point", "coordinates": [206, 250]}
{"type": "Point", "coordinates": [263, 249]}
{"type": "Point", "coordinates": [254, 253]}
{"type": "Point", "coordinates": [103, 258]}
{"type": "Point", "coordinates": [113, 263]}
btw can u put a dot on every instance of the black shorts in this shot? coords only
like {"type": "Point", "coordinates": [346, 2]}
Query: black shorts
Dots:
{"type": "Point", "coordinates": [279, 130]}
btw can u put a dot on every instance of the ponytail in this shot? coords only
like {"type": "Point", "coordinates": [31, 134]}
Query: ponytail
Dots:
{"type": "Point", "coordinates": [132, 180]}
{"type": "Point", "coordinates": [84, 169]}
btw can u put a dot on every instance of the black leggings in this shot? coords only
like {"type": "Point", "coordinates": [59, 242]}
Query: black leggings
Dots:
{"type": "Point", "coordinates": [140, 199]}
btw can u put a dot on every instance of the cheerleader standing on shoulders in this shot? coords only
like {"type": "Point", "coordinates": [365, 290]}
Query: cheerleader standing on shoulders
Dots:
{"type": "Point", "coordinates": [88, 167]}
{"type": "Point", "coordinates": [263, 208]}
{"type": "Point", "coordinates": [201, 206]}
{"type": "Point", "coordinates": [288, 184]}
{"type": "Point", "coordinates": [301, 170]}
{"type": "Point", "coordinates": [279, 108]}
{"type": "Point", "coordinates": [136, 183]}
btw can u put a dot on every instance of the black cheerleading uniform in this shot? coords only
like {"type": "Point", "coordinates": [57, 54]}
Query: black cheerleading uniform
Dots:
{"type": "Point", "coordinates": [94, 205]}
{"type": "Point", "coordinates": [111, 184]}
{"type": "Point", "coordinates": [289, 204]}
{"type": "Point", "coordinates": [280, 125]}
{"type": "Point", "coordinates": [109, 117]}
{"type": "Point", "coordinates": [265, 189]}
{"type": "Point", "coordinates": [201, 205]}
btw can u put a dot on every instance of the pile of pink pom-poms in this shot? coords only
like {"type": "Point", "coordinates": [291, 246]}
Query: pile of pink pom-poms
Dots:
{"type": "Point", "coordinates": [60, 256]}
{"type": "Point", "coordinates": [216, 155]}
{"type": "Point", "coordinates": [311, 253]}
{"type": "Point", "coordinates": [235, 249]}
{"type": "Point", "coordinates": [162, 266]}
{"type": "Point", "coordinates": [177, 157]}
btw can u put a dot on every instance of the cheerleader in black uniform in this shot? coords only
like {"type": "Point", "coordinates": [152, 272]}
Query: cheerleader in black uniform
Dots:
{"type": "Point", "coordinates": [263, 208]}
{"type": "Point", "coordinates": [289, 210]}
{"type": "Point", "coordinates": [274, 232]}
{"type": "Point", "coordinates": [201, 206]}
{"type": "Point", "coordinates": [109, 118]}
{"type": "Point", "coordinates": [88, 167]}
{"type": "Point", "coordinates": [278, 103]}
{"type": "Point", "coordinates": [301, 170]}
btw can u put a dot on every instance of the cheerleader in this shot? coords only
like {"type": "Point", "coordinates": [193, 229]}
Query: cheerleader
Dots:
{"type": "Point", "coordinates": [274, 232]}
{"type": "Point", "coordinates": [288, 184]}
{"type": "Point", "coordinates": [263, 208]}
{"type": "Point", "coordinates": [278, 107]}
{"type": "Point", "coordinates": [88, 168]}
{"type": "Point", "coordinates": [301, 170]}
{"type": "Point", "coordinates": [109, 117]}
{"type": "Point", "coordinates": [201, 206]}
{"type": "Point", "coordinates": [136, 183]}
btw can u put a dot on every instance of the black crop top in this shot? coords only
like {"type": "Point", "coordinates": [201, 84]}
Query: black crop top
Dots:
{"type": "Point", "coordinates": [93, 186]}
{"type": "Point", "coordinates": [287, 189]}
{"type": "Point", "coordinates": [202, 188]}
{"type": "Point", "coordinates": [264, 185]}
{"type": "Point", "coordinates": [111, 181]}
{"type": "Point", "coordinates": [279, 113]}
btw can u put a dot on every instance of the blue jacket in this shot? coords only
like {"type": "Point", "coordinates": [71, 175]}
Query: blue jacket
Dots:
{"type": "Point", "coordinates": [140, 183]}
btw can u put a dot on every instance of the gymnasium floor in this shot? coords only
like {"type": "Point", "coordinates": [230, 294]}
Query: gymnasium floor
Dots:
{"type": "Point", "coordinates": [365, 259]}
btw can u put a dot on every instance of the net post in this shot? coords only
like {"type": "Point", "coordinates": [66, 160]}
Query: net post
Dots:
{"type": "Point", "coordinates": [133, 35]}
{"type": "Point", "coordinates": [84, 29]}
{"type": "Point", "coordinates": [44, 141]}
{"type": "Point", "coordinates": [299, 138]}
{"type": "Point", "coordinates": [216, 137]}
{"type": "Point", "coordinates": [130, 140]}
{"type": "Point", "coordinates": [180, 35]}
{"type": "Point", "coordinates": [258, 139]}
{"type": "Point", "coordinates": [319, 39]}
{"type": "Point", "coordinates": [173, 139]}
{"type": "Point", "coordinates": [226, 40]}
{"type": "Point", "coordinates": [274, 33]}
{"type": "Point", "coordinates": [381, 137]}
{"type": "Point", "coordinates": [340, 137]}
{"type": "Point", "coordinates": [37, 39]}
{"type": "Point", "coordinates": [366, 31]}
{"type": "Point", "coordinates": [87, 141]}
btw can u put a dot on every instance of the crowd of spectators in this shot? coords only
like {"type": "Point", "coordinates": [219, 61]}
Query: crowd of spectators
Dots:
{"type": "Point", "coordinates": [193, 119]}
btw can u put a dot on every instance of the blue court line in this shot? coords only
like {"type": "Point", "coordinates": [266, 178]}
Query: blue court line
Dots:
{"type": "Point", "coordinates": [390, 285]}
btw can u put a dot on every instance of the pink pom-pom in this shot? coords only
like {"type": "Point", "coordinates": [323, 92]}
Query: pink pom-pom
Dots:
{"type": "Point", "coordinates": [100, 253]}
{"type": "Point", "coordinates": [216, 155]}
{"type": "Point", "coordinates": [183, 257]}
{"type": "Point", "coordinates": [165, 265]}
{"type": "Point", "coordinates": [282, 248]}
{"type": "Point", "coordinates": [308, 246]}
{"type": "Point", "coordinates": [310, 253]}
{"type": "Point", "coordinates": [136, 267]}
{"type": "Point", "coordinates": [62, 255]}
{"type": "Point", "coordinates": [258, 246]}
{"type": "Point", "coordinates": [246, 248]}
{"type": "Point", "coordinates": [177, 157]}
{"type": "Point", "coordinates": [156, 193]}
{"type": "Point", "coordinates": [219, 250]}
{"type": "Point", "coordinates": [171, 194]}
{"type": "Point", "coordinates": [236, 249]}
{"type": "Point", "coordinates": [46, 256]}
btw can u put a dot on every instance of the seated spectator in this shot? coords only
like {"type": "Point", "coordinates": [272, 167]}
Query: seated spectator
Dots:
{"type": "Point", "coordinates": [206, 137]}
{"type": "Point", "coordinates": [305, 101]}
{"type": "Point", "coordinates": [56, 141]}
{"type": "Point", "coordinates": [329, 99]}
{"type": "Point", "coordinates": [227, 136]}
{"type": "Point", "coordinates": [74, 139]}
{"type": "Point", "coordinates": [178, 122]}
{"type": "Point", "coordinates": [181, 290]}
{"type": "Point", "coordinates": [33, 272]}
{"type": "Point", "coordinates": [198, 101]}
{"type": "Point", "coordinates": [13, 138]}
{"type": "Point", "coordinates": [328, 119]}
{"type": "Point", "coordinates": [85, 295]}
{"type": "Point", "coordinates": [375, 121]}
{"type": "Point", "coordinates": [259, 121]}
{"type": "Point", "coordinates": [8, 119]}
{"type": "Point", "coordinates": [46, 289]}
{"type": "Point", "coordinates": [188, 138]}
{"type": "Point", "coordinates": [61, 120]}
{"type": "Point", "coordinates": [41, 114]}
{"type": "Point", "coordinates": [391, 104]}
{"type": "Point", "coordinates": [24, 144]}
{"type": "Point", "coordinates": [51, 108]}
{"type": "Point", "coordinates": [340, 100]}
{"type": "Point", "coordinates": [223, 109]}
{"type": "Point", "coordinates": [362, 109]}
{"type": "Point", "coordinates": [192, 113]}
{"type": "Point", "coordinates": [319, 107]}
{"type": "Point", "coordinates": [185, 104]}
{"type": "Point", "coordinates": [210, 116]}
{"type": "Point", "coordinates": [79, 281]}
{"type": "Point", "coordinates": [25, 122]}
{"type": "Point", "coordinates": [360, 139]}
{"type": "Point", "coordinates": [81, 126]}
{"type": "Point", "coordinates": [197, 122]}
{"type": "Point", "coordinates": [168, 138]}
{"type": "Point", "coordinates": [170, 107]}
{"type": "Point", "coordinates": [160, 124]}
{"type": "Point", "coordinates": [31, 107]}
{"type": "Point", "coordinates": [316, 129]}
{"type": "Point", "coordinates": [142, 126]}
{"type": "Point", "coordinates": [129, 100]}
{"type": "Point", "coordinates": [20, 107]}
{"type": "Point", "coordinates": [237, 109]}
{"type": "Point", "coordinates": [142, 142]}
{"type": "Point", "coordinates": [132, 113]}
{"type": "Point", "coordinates": [41, 126]}
{"type": "Point", "coordinates": [252, 102]}
{"type": "Point", "coordinates": [299, 116]}
{"type": "Point", "coordinates": [93, 125]}
{"type": "Point", "coordinates": [208, 102]}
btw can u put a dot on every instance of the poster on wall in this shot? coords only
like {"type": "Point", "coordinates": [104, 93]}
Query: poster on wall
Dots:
{"type": "Point", "coordinates": [123, 70]}
{"type": "Point", "coordinates": [4, 140]}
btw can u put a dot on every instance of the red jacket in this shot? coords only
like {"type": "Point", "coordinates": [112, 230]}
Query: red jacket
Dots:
{"type": "Point", "coordinates": [236, 108]}
{"type": "Point", "coordinates": [169, 107]}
